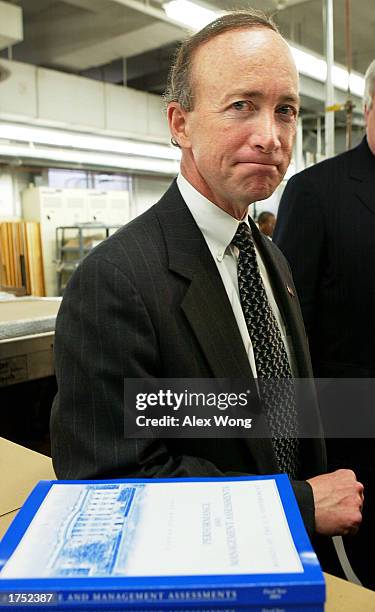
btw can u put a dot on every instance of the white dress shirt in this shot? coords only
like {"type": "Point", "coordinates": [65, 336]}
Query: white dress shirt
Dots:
{"type": "Point", "coordinates": [218, 229]}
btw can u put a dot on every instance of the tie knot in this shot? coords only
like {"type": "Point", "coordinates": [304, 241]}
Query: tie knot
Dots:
{"type": "Point", "coordinates": [243, 237]}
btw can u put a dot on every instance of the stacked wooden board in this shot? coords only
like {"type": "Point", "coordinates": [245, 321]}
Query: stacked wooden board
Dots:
{"type": "Point", "coordinates": [21, 261]}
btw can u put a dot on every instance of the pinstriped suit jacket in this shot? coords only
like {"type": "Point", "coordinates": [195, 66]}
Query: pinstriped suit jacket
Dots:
{"type": "Point", "coordinates": [149, 302]}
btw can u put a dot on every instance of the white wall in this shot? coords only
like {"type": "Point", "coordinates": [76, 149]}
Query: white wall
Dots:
{"type": "Point", "coordinates": [6, 196]}
{"type": "Point", "coordinates": [12, 183]}
{"type": "Point", "coordinates": [270, 204]}
{"type": "Point", "coordinates": [146, 192]}
{"type": "Point", "coordinates": [38, 95]}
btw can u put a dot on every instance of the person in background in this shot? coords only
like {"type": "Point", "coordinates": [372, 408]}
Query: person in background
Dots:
{"type": "Point", "coordinates": [326, 230]}
{"type": "Point", "coordinates": [266, 222]}
{"type": "Point", "coordinates": [192, 289]}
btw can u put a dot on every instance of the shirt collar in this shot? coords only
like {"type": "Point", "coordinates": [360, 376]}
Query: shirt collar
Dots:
{"type": "Point", "coordinates": [216, 225]}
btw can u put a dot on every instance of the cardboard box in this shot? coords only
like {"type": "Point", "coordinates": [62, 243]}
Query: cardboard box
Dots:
{"type": "Point", "coordinates": [20, 470]}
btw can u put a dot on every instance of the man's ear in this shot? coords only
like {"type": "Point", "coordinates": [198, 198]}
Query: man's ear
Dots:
{"type": "Point", "coordinates": [177, 120]}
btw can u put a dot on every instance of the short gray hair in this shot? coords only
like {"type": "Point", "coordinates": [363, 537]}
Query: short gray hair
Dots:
{"type": "Point", "coordinates": [369, 85]}
{"type": "Point", "coordinates": [180, 87]}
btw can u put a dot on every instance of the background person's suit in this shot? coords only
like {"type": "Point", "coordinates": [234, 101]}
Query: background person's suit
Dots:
{"type": "Point", "coordinates": [149, 302]}
{"type": "Point", "coordinates": [326, 230]}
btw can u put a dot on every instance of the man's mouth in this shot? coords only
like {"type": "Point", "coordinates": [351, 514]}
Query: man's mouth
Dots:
{"type": "Point", "coordinates": [257, 163]}
{"type": "Point", "coordinates": [260, 166]}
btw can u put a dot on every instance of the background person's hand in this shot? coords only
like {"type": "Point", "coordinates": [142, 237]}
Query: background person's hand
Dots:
{"type": "Point", "coordinates": [338, 498]}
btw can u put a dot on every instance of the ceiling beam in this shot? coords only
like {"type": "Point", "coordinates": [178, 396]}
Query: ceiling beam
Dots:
{"type": "Point", "coordinates": [123, 46]}
{"type": "Point", "coordinates": [146, 9]}
{"type": "Point", "coordinates": [153, 82]}
{"type": "Point", "coordinates": [289, 3]}
{"type": "Point", "coordinates": [106, 31]}
{"type": "Point", "coordinates": [93, 6]}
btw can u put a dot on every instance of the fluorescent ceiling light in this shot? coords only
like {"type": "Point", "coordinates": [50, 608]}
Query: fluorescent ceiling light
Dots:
{"type": "Point", "coordinates": [190, 14]}
{"type": "Point", "coordinates": [194, 16]}
{"type": "Point", "coordinates": [340, 77]}
{"type": "Point", "coordinates": [77, 141]}
{"type": "Point", "coordinates": [308, 64]}
{"type": "Point", "coordinates": [357, 84]}
{"type": "Point", "coordinates": [314, 66]}
{"type": "Point", "coordinates": [99, 159]}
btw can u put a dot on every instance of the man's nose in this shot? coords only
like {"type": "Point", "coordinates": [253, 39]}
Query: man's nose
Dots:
{"type": "Point", "coordinates": [265, 135]}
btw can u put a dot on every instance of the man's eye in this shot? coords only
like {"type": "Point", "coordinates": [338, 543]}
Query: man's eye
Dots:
{"type": "Point", "coordinates": [241, 105]}
{"type": "Point", "coordinates": [288, 110]}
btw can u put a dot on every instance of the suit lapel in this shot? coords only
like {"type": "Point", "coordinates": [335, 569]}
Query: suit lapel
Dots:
{"type": "Point", "coordinates": [210, 315]}
{"type": "Point", "coordinates": [362, 173]}
{"type": "Point", "coordinates": [278, 281]}
{"type": "Point", "coordinates": [205, 304]}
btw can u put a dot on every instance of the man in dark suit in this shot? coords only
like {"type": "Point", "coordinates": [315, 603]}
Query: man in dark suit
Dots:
{"type": "Point", "coordinates": [326, 229]}
{"type": "Point", "coordinates": [161, 297]}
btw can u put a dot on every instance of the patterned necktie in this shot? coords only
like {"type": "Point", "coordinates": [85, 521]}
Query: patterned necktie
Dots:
{"type": "Point", "coordinates": [271, 359]}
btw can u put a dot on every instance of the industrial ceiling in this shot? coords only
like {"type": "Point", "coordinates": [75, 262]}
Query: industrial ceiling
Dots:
{"type": "Point", "coordinates": [94, 37]}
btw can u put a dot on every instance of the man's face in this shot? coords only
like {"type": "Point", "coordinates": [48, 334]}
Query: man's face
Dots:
{"type": "Point", "coordinates": [237, 142]}
{"type": "Point", "coordinates": [370, 125]}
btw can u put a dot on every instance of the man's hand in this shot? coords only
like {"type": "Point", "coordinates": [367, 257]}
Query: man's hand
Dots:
{"type": "Point", "coordinates": [338, 498]}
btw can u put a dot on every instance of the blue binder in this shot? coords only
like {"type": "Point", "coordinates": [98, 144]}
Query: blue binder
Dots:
{"type": "Point", "coordinates": [222, 544]}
